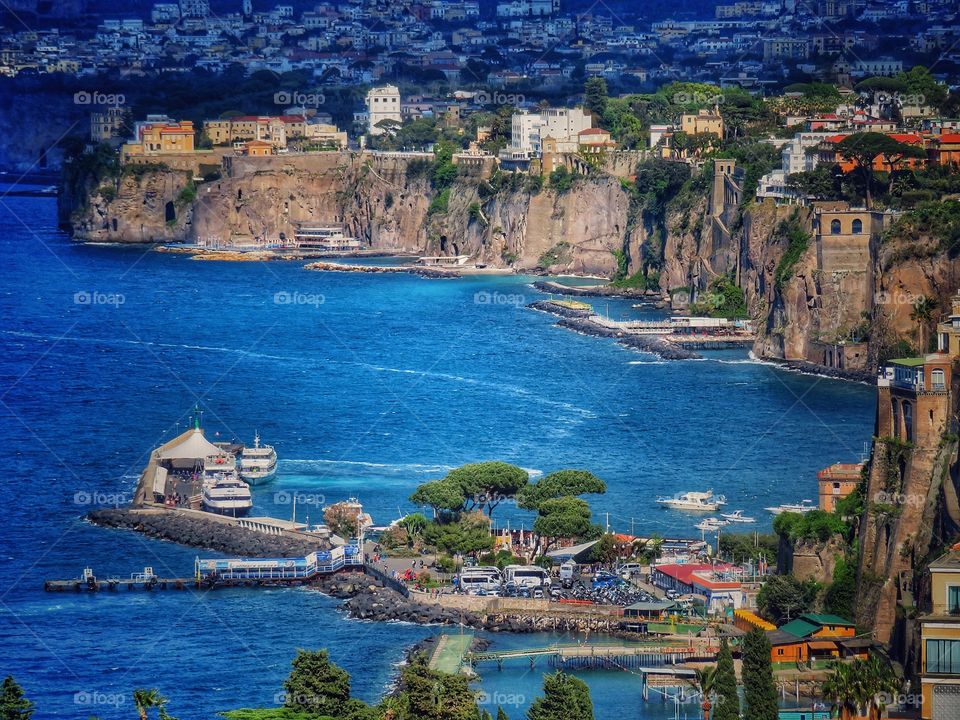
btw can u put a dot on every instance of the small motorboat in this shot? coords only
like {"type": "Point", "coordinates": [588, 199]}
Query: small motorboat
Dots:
{"type": "Point", "coordinates": [737, 516]}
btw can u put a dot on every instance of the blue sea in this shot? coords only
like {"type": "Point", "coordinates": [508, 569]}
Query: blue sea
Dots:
{"type": "Point", "coordinates": [367, 385]}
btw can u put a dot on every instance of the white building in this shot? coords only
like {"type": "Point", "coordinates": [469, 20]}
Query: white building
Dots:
{"type": "Point", "coordinates": [527, 8]}
{"type": "Point", "coordinates": [562, 124]}
{"type": "Point", "coordinates": [194, 8]}
{"type": "Point", "coordinates": [795, 156]}
{"type": "Point", "coordinates": [383, 103]}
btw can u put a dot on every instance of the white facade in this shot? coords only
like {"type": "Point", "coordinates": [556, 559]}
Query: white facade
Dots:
{"type": "Point", "coordinates": [562, 124]}
{"type": "Point", "coordinates": [795, 157]}
{"type": "Point", "coordinates": [383, 103]}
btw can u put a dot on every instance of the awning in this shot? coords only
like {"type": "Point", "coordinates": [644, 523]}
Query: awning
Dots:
{"type": "Point", "coordinates": [822, 645]}
{"type": "Point", "coordinates": [192, 447]}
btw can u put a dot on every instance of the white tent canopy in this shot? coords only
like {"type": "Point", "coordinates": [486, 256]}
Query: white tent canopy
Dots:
{"type": "Point", "coordinates": [195, 446]}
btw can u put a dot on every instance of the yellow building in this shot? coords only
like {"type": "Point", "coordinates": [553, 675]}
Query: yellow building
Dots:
{"type": "Point", "coordinates": [940, 641]}
{"type": "Point", "coordinates": [705, 122]}
{"type": "Point", "coordinates": [948, 332]}
{"type": "Point", "coordinates": [159, 138]}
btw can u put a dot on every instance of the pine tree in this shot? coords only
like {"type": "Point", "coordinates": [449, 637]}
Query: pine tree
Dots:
{"type": "Point", "coordinates": [725, 688]}
{"type": "Point", "coordinates": [759, 689]}
{"type": "Point", "coordinates": [565, 697]}
{"type": "Point", "coordinates": [501, 715]}
{"type": "Point", "coordinates": [13, 704]}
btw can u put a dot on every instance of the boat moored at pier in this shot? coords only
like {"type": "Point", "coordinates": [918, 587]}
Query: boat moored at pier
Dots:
{"type": "Point", "coordinates": [258, 463]}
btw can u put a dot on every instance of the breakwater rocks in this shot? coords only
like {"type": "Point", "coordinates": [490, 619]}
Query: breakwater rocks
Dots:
{"type": "Point", "coordinates": [582, 321]}
{"type": "Point", "coordinates": [548, 286]}
{"type": "Point", "coordinates": [190, 528]}
{"type": "Point", "coordinates": [808, 368]}
{"type": "Point", "coordinates": [427, 272]}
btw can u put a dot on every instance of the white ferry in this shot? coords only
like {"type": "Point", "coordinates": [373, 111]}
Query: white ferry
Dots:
{"type": "Point", "coordinates": [804, 506]}
{"type": "Point", "coordinates": [695, 501]}
{"type": "Point", "coordinates": [258, 463]}
{"type": "Point", "coordinates": [224, 492]}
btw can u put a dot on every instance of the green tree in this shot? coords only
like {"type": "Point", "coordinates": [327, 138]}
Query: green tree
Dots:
{"type": "Point", "coordinates": [605, 551]}
{"type": "Point", "coordinates": [469, 534]}
{"type": "Point", "coordinates": [705, 681]}
{"type": "Point", "coordinates": [563, 517]}
{"type": "Point", "coordinates": [316, 685]}
{"type": "Point", "coordinates": [595, 96]}
{"type": "Point", "coordinates": [760, 691]}
{"type": "Point", "coordinates": [144, 700]}
{"type": "Point", "coordinates": [783, 597]}
{"type": "Point", "coordinates": [863, 149]}
{"type": "Point", "coordinates": [841, 595]}
{"type": "Point", "coordinates": [728, 701]}
{"type": "Point", "coordinates": [565, 697]}
{"type": "Point", "coordinates": [445, 498]}
{"type": "Point", "coordinates": [858, 688]}
{"type": "Point", "coordinates": [923, 313]}
{"type": "Point", "coordinates": [563, 483]}
{"type": "Point", "coordinates": [432, 695]}
{"type": "Point", "coordinates": [487, 484]}
{"type": "Point", "coordinates": [14, 705]}
{"type": "Point", "coordinates": [501, 715]}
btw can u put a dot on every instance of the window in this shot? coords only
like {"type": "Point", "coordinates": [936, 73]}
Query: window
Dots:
{"type": "Point", "coordinates": [908, 421]}
{"type": "Point", "coordinates": [938, 378]}
{"type": "Point", "coordinates": [834, 227]}
{"type": "Point", "coordinates": [857, 226]}
{"type": "Point", "coordinates": [953, 599]}
{"type": "Point", "coordinates": [943, 656]}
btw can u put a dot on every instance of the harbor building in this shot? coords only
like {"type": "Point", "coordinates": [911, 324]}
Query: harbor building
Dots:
{"type": "Point", "coordinates": [383, 103]}
{"type": "Point", "coordinates": [940, 641]}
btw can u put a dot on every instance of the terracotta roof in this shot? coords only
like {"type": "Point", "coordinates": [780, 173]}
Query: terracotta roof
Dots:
{"type": "Point", "coordinates": [950, 138]}
{"type": "Point", "coordinates": [593, 131]}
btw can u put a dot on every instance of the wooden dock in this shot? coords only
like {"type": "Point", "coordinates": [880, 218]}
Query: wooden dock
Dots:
{"type": "Point", "coordinates": [594, 656]}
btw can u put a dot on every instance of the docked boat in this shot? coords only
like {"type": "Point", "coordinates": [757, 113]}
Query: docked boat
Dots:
{"type": "Point", "coordinates": [224, 492]}
{"type": "Point", "coordinates": [804, 506]}
{"type": "Point", "coordinates": [711, 524]}
{"type": "Point", "coordinates": [737, 516]}
{"type": "Point", "coordinates": [258, 463]}
{"type": "Point", "coordinates": [695, 501]}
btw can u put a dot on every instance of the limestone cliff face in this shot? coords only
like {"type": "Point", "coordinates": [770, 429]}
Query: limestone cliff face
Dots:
{"type": "Point", "coordinates": [383, 201]}
{"type": "Point", "coordinates": [137, 207]}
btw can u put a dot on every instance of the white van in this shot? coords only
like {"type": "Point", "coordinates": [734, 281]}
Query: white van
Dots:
{"type": "Point", "coordinates": [473, 584]}
{"type": "Point", "coordinates": [568, 570]}
{"type": "Point", "coordinates": [528, 576]}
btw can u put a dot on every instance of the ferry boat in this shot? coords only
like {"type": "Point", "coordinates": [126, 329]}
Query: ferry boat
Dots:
{"type": "Point", "coordinates": [804, 506]}
{"type": "Point", "coordinates": [224, 492]}
{"type": "Point", "coordinates": [696, 501]}
{"type": "Point", "coordinates": [258, 463]}
{"type": "Point", "coordinates": [737, 516]}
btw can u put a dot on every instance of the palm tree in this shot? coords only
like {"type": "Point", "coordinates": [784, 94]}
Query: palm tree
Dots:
{"type": "Point", "coordinates": [841, 690]}
{"type": "Point", "coordinates": [705, 680]}
{"type": "Point", "coordinates": [146, 699]}
{"type": "Point", "coordinates": [922, 314]}
{"type": "Point", "coordinates": [860, 687]}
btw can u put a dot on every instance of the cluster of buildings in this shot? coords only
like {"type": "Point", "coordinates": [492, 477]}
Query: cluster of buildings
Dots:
{"type": "Point", "coordinates": [752, 44]}
{"type": "Point", "coordinates": [815, 144]}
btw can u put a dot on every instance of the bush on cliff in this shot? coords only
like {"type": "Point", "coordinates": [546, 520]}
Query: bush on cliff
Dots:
{"type": "Point", "coordinates": [797, 239]}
